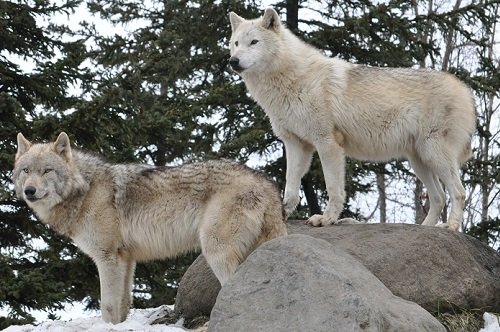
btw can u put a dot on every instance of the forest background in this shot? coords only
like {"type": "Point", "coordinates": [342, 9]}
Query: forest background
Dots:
{"type": "Point", "coordinates": [148, 81]}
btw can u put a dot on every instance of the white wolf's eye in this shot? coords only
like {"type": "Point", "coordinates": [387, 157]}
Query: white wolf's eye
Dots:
{"type": "Point", "coordinates": [47, 170]}
{"type": "Point", "coordinates": [254, 41]}
{"type": "Point", "coordinates": [236, 43]}
{"type": "Point", "coordinates": [26, 170]}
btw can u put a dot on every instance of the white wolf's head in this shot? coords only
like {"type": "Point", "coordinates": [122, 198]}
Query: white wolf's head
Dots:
{"type": "Point", "coordinates": [44, 174]}
{"type": "Point", "coordinates": [255, 43]}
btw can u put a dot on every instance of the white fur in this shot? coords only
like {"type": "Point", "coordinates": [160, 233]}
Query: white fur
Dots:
{"type": "Point", "coordinates": [316, 103]}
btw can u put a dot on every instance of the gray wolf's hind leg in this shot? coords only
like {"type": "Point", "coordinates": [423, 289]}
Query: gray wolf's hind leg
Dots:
{"type": "Point", "coordinates": [227, 236]}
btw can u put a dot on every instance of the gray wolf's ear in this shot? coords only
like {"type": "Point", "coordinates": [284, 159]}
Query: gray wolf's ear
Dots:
{"type": "Point", "coordinates": [235, 20]}
{"type": "Point", "coordinates": [271, 20]}
{"type": "Point", "coordinates": [23, 145]}
{"type": "Point", "coordinates": [62, 146]}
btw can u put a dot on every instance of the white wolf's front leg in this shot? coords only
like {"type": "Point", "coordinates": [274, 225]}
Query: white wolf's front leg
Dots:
{"type": "Point", "coordinates": [332, 159]}
{"type": "Point", "coordinates": [298, 160]}
{"type": "Point", "coordinates": [115, 276]}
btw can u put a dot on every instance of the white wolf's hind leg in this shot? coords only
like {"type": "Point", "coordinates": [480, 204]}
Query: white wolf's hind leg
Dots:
{"type": "Point", "coordinates": [443, 160]}
{"type": "Point", "coordinates": [436, 193]}
{"type": "Point", "coordinates": [453, 184]}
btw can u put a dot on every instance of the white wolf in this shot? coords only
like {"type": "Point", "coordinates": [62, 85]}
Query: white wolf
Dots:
{"type": "Point", "coordinates": [336, 108]}
{"type": "Point", "coordinates": [122, 213]}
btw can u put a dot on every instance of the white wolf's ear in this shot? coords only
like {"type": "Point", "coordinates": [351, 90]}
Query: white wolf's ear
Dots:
{"type": "Point", "coordinates": [62, 146]}
{"type": "Point", "coordinates": [235, 20]}
{"type": "Point", "coordinates": [23, 145]}
{"type": "Point", "coordinates": [271, 19]}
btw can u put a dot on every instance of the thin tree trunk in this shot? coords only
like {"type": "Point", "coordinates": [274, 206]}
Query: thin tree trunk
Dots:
{"type": "Point", "coordinates": [292, 15]}
{"type": "Point", "coordinates": [420, 209]}
{"type": "Point", "coordinates": [486, 139]}
{"type": "Point", "coordinates": [292, 22]}
{"type": "Point", "coordinates": [418, 196]}
{"type": "Point", "coordinates": [449, 42]}
{"type": "Point", "coordinates": [310, 195]}
{"type": "Point", "coordinates": [382, 197]}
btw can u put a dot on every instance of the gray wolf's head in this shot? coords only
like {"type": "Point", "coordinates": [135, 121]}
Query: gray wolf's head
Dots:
{"type": "Point", "coordinates": [44, 173]}
{"type": "Point", "coordinates": [254, 43]}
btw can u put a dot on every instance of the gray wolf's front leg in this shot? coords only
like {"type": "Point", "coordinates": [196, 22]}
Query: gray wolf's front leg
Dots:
{"type": "Point", "coordinates": [115, 276]}
{"type": "Point", "coordinates": [333, 163]}
{"type": "Point", "coordinates": [298, 160]}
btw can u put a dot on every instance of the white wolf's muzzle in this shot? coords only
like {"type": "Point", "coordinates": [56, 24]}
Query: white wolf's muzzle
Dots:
{"type": "Point", "coordinates": [234, 62]}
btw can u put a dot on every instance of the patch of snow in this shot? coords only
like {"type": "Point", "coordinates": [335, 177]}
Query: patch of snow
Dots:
{"type": "Point", "coordinates": [141, 319]}
{"type": "Point", "coordinates": [138, 320]}
{"type": "Point", "coordinates": [491, 323]}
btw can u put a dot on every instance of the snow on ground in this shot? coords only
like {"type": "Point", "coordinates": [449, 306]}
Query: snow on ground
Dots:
{"type": "Point", "coordinates": [491, 323]}
{"type": "Point", "coordinates": [140, 320]}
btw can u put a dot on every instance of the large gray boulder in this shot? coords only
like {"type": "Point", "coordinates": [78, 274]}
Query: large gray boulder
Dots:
{"type": "Point", "coordinates": [299, 283]}
{"type": "Point", "coordinates": [440, 270]}
{"type": "Point", "coordinates": [197, 291]}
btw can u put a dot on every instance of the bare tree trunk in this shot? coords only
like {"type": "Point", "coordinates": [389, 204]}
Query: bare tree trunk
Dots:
{"type": "Point", "coordinates": [424, 35]}
{"type": "Point", "coordinates": [489, 109]}
{"type": "Point", "coordinates": [292, 15]}
{"type": "Point", "coordinates": [419, 196]}
{"type": "Point", "coordinates": [420, 211]}
{"type": "Point", "coordinates": [382, 197]}
{"type": "Point", "coordinates": [450, 45]}
{"type": "Point", "coordinates": [310, 195]}
{"type": "Point", "coordinates": [292, 22]}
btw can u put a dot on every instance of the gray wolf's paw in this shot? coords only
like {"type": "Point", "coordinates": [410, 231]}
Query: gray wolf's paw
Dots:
{"type": "Point", "coordinates": [319, 220]}
{"type": "Point", "coordinates": [203, 328]}
{"type": "Point", "coordinates": [454, 226]}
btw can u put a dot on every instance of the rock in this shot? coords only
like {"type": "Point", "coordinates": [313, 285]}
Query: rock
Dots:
{"type": "Point", "coordinates": [438, 269]}
{"type": "Point", "coordinates": [299, 283]}
{"type": "Point", "coordinates": [197, 291]}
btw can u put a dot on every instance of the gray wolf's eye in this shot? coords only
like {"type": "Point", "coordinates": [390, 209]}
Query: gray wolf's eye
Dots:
{"type": "Point", "coordinates": [26, 170]}
{"type": "Point", "coordinates": [236, 43]}
{"type": "Point", "coordinates": [48, 170]}
{"type": "Point", "coordinates": [254, 41]}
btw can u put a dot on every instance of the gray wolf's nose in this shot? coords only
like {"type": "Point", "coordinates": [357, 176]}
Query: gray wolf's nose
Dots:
{"type": "Point", "coordinates": [30, 191]}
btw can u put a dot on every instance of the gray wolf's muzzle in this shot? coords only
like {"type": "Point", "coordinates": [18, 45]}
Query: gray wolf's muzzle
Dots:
{"type": "Point", "coordinates": [234, 62]}
{"type": "Point", "coordinates": [30, 193]}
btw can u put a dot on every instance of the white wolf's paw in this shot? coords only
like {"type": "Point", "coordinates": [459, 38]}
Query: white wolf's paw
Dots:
{"type": "Point", "coordinates": [454, 226]}
{"type": "Point", "coordinates": [319, 220]}
{"type": "Point", "coordinates": [290, 203]}
{"type": "Point", "coordinates": [348, 221]}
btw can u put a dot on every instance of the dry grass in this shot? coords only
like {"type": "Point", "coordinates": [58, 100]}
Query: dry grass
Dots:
{"type": "Point", "coordinates": [465, 321]}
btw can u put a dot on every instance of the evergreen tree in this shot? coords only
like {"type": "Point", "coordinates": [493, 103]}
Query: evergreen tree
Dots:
{"type": "Point", "coordinates": [34, 275]}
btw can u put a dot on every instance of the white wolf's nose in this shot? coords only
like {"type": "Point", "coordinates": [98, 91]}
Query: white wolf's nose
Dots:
{"type": "Point", "coordinates": [234, 62]}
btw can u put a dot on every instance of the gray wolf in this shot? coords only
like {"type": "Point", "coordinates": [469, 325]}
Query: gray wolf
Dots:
{"type": "Point", "coordinates": [122, 213]}
{"type": "Point", "coordinates": [317, 103]}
